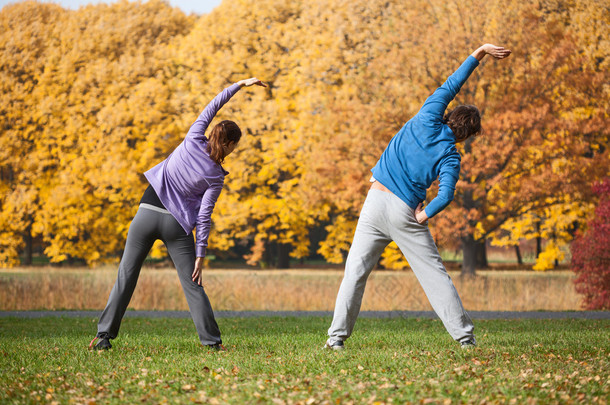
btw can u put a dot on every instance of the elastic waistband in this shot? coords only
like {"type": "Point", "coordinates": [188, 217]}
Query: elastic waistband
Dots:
{"type": "Point", "coordinates": [153, 208]}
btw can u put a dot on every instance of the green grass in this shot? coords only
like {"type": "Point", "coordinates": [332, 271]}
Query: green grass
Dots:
{"type": "Point", "coordinates": [279, 360]}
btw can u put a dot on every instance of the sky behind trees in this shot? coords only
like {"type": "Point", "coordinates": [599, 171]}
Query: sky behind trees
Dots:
{"type": "Point", "coordinates": [188, 6]}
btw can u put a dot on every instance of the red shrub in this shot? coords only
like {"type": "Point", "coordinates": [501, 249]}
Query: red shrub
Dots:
{"type": "Point", "coordinates": [591, 254]}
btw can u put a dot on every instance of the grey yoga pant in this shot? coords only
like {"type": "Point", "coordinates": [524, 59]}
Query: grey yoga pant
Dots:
{"type": "Point", "coordinates": [386, 218]}
{"type": "Point", "coordinates": [150, 224]}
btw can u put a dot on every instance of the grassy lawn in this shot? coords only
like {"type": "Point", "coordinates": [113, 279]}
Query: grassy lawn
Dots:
{"type": "Point", "coordinates": [279, 360]}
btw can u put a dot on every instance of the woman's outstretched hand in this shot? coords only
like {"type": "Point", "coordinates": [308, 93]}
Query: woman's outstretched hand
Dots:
{"type": "Point", "coordinates": [251, 82]}
{"type": "Point", "coordinates": [497, 52]}
{"type": "Point", "coordinates": [197, 271]}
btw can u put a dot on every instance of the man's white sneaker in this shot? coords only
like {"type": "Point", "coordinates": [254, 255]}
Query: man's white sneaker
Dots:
{"type": "Point", "coordinates": [469, 344]}
{"type": "Point", "coordinates": [334, 345]}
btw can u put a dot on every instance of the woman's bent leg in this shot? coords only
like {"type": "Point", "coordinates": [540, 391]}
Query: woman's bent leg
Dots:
{"type": "Point", "coordinates": [181, 248]}
{"type": "Point", "coordinates": [140, 239]}
{"type": "Point", "coordinates": [369, 242]}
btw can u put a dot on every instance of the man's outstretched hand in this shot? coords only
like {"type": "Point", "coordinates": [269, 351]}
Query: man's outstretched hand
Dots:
{"type": "Point", "coordinates": [497, 52]}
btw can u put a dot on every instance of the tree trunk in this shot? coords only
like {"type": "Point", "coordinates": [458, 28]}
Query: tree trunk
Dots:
{"type": "Point", "coordinates": [518, 252]}
{"type": "Point", "coordinates": [481, 254]}
{"type": "Point", "coordinates": [538, 240]}
{"type": "Point", "coordinates": [469, 246]}
{"type": "Point", "coordinates": [27, 251]}
{"type": "Point", "coordinates": [283, 256]}
{"type": "Point", "coordinates": [268, 256]}
{"type": "Point", "coordinates": [469, 251]}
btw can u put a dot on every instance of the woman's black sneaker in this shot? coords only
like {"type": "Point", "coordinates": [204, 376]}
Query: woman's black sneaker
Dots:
{"type": "Point", "coordinates": [217, 347]}
{"type": "Point", "coordinates": [103, 344]}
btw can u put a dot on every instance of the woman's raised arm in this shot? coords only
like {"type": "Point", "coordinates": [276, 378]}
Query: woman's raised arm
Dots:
{"type": "Point", "coordinates": [199, 127]}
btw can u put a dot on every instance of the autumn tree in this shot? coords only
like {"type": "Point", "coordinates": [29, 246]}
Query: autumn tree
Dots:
{"type": "Point", "coordinates": [261, 206]}
{"type": "Point", "coordinates": [574, 152]}
{"type": "Point", "coordinates": [542, 122]}
{"type": "Point", "coordinates": [23, 59]}
{"type": "Point", "coordinates": [591, 254]}
{"type": "Point", "coordinates": [94, 97]}
{"type": "Point", "coordinates": [99, 113]}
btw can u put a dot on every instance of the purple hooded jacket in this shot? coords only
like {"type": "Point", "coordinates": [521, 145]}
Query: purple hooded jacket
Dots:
{"type": "Point", "coordinates": [189, 182]}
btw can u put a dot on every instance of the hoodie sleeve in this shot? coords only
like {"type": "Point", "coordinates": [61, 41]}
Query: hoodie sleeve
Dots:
{"type": "Point", "coordinates": [199, 127]}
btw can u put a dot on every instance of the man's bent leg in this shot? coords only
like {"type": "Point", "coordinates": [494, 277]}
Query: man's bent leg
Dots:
{"type": "Point", "coordinates": [417, 244]}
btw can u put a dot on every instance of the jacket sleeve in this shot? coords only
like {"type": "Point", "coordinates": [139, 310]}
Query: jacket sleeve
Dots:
{"type": "Point", "coordinates": [448, 177]}
{"type": "Point", "coordinates": [204, 218]}
{"type": "Point", "coordinates": [437, 103]}
{"type": "Point", "coordinates": [199, 127]}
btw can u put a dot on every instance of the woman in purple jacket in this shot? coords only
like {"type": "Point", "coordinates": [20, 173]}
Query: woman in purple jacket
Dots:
{"type": "Point", "coordinates": [181, 195]}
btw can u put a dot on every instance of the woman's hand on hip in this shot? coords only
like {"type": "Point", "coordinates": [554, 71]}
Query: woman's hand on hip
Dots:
{"type": "Point", "coordinates": [197, 275]}
{"type": "Point", "coordinates": [251, 82]}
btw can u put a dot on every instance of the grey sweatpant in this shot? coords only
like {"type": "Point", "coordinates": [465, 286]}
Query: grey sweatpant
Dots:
{"type": "Point", "coordinates": [147, 226]}
{"type": "Point", "coordinates": [386, 218]}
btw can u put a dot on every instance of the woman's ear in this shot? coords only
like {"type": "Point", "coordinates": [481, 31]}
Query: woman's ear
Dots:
{"type": "Point", "coordinates": [230, 147]}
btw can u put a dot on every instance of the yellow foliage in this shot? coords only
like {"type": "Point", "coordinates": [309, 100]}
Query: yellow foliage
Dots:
{"type": "Point", "coordinates": [342, 229]}
{"type": "Point", "coordinates": [91, 98]}
{"type": "Point", "coordinates": [392, 258]}
{"type": "Point", "coordinates": [546, 259]}
{"type": "Point", "coordinates": [158, 251]}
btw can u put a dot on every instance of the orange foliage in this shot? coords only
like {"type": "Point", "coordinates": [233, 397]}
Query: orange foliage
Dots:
{"type": "Point", "coordinates": [92, 98]}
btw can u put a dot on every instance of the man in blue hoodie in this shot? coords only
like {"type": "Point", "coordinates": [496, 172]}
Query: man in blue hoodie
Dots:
{"type": "Point", "coordinates": [421, 151]}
